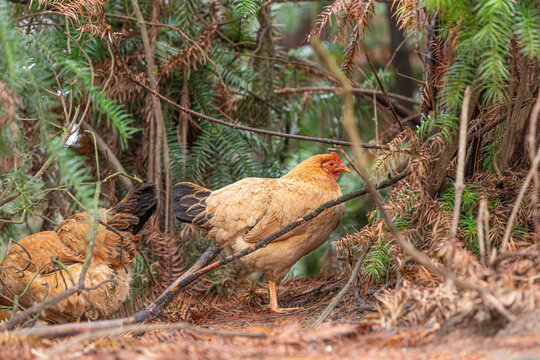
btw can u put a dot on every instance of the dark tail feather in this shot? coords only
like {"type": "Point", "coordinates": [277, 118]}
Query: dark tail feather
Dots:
{"type": "Point", "coordinates": [141, 203]}
{"type": "Point", "coordinates": [189, 203]}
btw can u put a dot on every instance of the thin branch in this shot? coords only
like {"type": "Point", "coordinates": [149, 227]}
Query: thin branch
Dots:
{"type": "Point", "coordinates": [66, 345]}
{"type": "Point", "coordinates": [461, 162]}
{"type": "Point", "coordinates": [158, 143]}
{"type": "Point", "coordinates": [109, 155]}
{"type": "Point", "coordinates": [531, 251]}
{"type": "Point", "coordinates": [534, 168]}
{"type": "Point", "coordinates": [531, 138]}
{"type": "Point", "coordinates": [482, 208]}
{"type": "Point", "coordinates": [243, 127]}
{"type": "Point", "coordinates": [9, 199]}
{"type": "Point", "coordinates": [183, 34]}
{"type": "Point", "coordinates": [385, 94]}
{"type": "Point", "coordinates": [343, 291]}
{"type": "Point", "coordinates": [336, 89]}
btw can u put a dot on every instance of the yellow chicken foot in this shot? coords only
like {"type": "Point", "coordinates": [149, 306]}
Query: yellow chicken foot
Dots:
{"type": "Point", "coordinates": [273, 300]}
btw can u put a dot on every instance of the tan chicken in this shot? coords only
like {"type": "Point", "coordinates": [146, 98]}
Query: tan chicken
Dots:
{"type": "Point", "coordinates": [45, 264]}
{"type": "Point", "coordinates": [249, 210]}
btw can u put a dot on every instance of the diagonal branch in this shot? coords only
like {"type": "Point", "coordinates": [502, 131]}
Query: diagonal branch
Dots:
{"type": "Point", "coordinates": [109, 155]}
{"type": "Point", "coordinates": [293, 90]}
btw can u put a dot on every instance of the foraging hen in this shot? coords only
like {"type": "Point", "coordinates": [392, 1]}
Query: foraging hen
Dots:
{"type": "Point", "coordinates": [45, 264]}
{"type": "Point", "coordinates": [249, 210]}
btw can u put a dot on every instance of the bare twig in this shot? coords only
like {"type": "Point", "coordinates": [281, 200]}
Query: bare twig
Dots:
{"type": "Point", "coordinates": [183, 34]}
{"type": "Point", "coordinates": [158, 144]}
{"type": "Point", "coordinates": [343, 291]}
{"type": "Point", "coordinates": [72, 126]}
{"type": "Point", "coordinates": [531, 139]}
{"type": "Point", "coordinates": [481, 234]}
{"type": "Point", "coordinates": [461, 162]}
{"type": "Point", "coordinates": [108, 154]}
{"type": "Point", "coordinates": [238, 126]}
{"type": "Point", "coordinates": [289, 90]}
{"type": "Point", "coordinates": [531, 251]}
{"type": "Point", "coordinates": [385, 94]}
{"type": "Point", "coordinates": [534, 168]}
{"type": "Point", "coordinates": [9, 199]}
{"type": "Point", "coordinates": [64, 346]}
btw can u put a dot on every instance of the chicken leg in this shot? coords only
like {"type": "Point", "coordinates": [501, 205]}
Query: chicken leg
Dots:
{"type": "Point", "coordinates": [273, 299]}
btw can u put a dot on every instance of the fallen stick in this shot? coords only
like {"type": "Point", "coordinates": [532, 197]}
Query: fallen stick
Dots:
{"type": "Point", "coordinates": [77, 340]}
{"type": "Point", "coordinates": [343, 291]}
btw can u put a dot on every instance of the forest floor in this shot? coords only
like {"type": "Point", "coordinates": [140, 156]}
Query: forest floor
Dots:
{"type": "Point", "coordinates": [350, 333]}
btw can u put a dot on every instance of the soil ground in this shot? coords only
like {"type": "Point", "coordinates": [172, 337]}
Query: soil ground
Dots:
{"type": "Point", "coordinates": [351, 333]}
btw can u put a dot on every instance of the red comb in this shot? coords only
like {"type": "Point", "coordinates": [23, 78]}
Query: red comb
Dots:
{"type": "Point", "coordinates": [336, 156]}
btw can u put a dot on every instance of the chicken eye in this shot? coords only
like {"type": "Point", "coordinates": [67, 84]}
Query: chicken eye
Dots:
{"type": "Point", "coordinates": [331, 163]}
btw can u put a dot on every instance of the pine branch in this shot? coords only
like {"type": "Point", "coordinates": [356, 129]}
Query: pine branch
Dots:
{"type": "Point", "coordinates": [238, 126]}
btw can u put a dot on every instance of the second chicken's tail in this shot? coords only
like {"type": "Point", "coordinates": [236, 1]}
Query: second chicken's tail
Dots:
{"type": "Point", "coordinates": [135, 209]}
{"type": "Point", "coordinates": [189, 203]}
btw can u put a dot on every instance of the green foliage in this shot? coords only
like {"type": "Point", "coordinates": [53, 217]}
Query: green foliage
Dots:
{"type": "Point", "coordinates": [469, 198]}
{"type": "Point", "coordinates": [73, 174]}
{"type": "Point", "coordinates": [245, 8]}
{"type": "Point", "coordinates": [491, 147]}
{"type": "Point", "coordinates": [484, 33]}
{"type": "Point", "coordinates": [442, 125]}
{"type": "Point", "coordinates": [377, 261]}
{"type": "Point", "coordinates": [223, 156]}
{"type": "Point", "coordinates": [27, 73]}
{"type": "Point", "coordinates": [467, 225]}
{"type": "Point", "coordinates": [526, 27]}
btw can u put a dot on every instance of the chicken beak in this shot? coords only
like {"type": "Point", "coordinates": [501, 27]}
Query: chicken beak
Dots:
{"type": "Point", "coordinates": [344, 169]}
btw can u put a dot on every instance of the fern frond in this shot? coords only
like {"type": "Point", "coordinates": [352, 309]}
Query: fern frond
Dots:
{"type": "Point", "coordinates": [526, 28]}
{"type": "Point", "coordinates": [377, 261]}
{"type": "Point", "coordinates": [245, 8]}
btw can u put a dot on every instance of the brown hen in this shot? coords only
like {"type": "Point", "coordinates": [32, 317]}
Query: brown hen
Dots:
{"type": "Point", "coordinates": [249, 210]}
{"type": "Point", "coordinates": [45, 264]}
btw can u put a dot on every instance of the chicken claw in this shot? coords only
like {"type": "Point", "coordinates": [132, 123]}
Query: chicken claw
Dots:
{"type": "Point", "coordinates": [273, 300]}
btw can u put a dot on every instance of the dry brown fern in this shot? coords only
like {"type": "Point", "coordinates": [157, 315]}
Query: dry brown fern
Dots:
{"type": "Point", "coordinates": [351, 16]}
{"type": "Point", "coordinates": [196, 53]}
{"type": "Point", "coordinates": [441, 303]}
{"type": "Point", "coordinates": [410, 15]}
{"type": "Point", "coordinates": [89, 13]}
{"type": "Point", "coordinates": [325, 17]}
